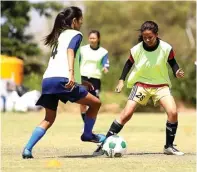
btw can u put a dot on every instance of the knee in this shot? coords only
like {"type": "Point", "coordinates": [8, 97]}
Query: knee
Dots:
{"type": "Point", "coordinates": [50, 121]}
{"type": "Point", "coordinates": [99, 104]}
{"type": "Point", "coordinates": [173, 115]}
{"type": "Point", "coordinates": [96, 104]}
{"type": "Point", "coordinates": [124, 118]}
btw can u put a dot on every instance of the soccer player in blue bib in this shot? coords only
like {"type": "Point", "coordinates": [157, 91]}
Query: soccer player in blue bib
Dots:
{"type": "Point", "coordinates": [93, 63]}
{"type": "Point", "coordinates": [62, 79]}
{"type": "Point", "coordinates": [149, 79]}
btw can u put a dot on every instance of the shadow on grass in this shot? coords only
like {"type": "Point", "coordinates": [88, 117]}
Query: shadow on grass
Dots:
{"type": "Point", "coordinates": [77, 156]}
{"type": "Point", "coordinates": [155, 153]}
{"type": "Point", "coordinates": [71, 156]}
{"type": "Point", "coordinates": [146, 153]}
{"type": "Point", "coordinates": [104, 156]}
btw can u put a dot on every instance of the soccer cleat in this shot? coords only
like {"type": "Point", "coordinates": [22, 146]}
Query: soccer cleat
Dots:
{"type": "Point", "coordinates": [99, 151]}
{"type": "Point", "coordinates": [95, 138]}
{"type": "Point", "coordinates": [27, 154]}
{"type": "Point", "coordinates": [171, 150]}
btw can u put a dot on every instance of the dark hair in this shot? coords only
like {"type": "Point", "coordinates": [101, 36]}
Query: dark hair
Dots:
{"type": "Point", "coordinates": [97, 33]}
{"type": "Point", "coordinates": [63, 21]}
{"type": "Point", "coordinates": [148, 25]}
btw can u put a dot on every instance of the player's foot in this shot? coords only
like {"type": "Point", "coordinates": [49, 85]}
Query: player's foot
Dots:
{"type": "Point", "coordinates": [171, 150]}
{"type": "Point", "coordinates": [27, 154]}
{"type": "Point", "coordinates": [96, 138]}
{"type": "Point", "coordinates": [99, 151]}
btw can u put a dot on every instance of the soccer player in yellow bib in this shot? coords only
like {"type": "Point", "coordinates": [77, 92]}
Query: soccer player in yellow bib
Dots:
{"type": "Point", "coordinates": [62, 79]}
{"type": "Point", "coordinates": [149, 79]}
{"type": "Point", "coordinates": [93, 63]}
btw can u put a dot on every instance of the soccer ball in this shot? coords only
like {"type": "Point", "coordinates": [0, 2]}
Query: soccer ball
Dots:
{"type": "Point", "coordinates": [115, 146]}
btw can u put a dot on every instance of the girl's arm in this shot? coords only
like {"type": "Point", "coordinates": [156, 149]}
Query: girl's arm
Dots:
{"type": "Point", "coordinates": [128, 65]}
{"type": "Point", "coordinates": [178, 72]}
{"type": "Point", "coordinates": [71, 52]}
{"type": "Point", "coordinates": [71, 56]}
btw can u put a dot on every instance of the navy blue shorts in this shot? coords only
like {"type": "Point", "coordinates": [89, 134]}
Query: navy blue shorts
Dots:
{"type": "Point", "coordinates": [96, 83]}
{"type": "Point", "coordinates": [53, 90]}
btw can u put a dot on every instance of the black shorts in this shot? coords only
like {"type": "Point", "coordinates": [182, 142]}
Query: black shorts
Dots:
{"type": "Point", "coordinates": [96, 83]}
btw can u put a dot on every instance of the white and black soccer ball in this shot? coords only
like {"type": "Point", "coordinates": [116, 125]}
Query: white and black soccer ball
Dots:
{"type": "Point", "coordinates": [115, 146]}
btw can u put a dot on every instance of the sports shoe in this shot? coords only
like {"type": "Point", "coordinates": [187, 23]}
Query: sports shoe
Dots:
{"type": "Point", "coordinates": [171, 150]}
{"type": "Point", "coordinates": [95, 138]}
{"type": "Point", "coordinates": [99, 151]}
{"type": "Point", "coordinates": [27, 154]}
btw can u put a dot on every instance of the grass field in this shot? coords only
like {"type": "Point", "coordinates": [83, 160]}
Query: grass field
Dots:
{"type": "Point", "coordinates": [61, 149]}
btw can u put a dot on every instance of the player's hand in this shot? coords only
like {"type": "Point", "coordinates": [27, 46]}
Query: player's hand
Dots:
{"type": "Point", "coordinates": [119, 86]}
{"type": "Point", "coordinates": [71, 82]}
{"type": "Point", "coordinates": [105, 70]}
{"type": "Point", "coordinates": [88, 85]}
{"type": "Point", "coordinates": [180, 73]}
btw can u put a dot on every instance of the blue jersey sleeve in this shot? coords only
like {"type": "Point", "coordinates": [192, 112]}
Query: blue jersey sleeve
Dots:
{"type": "Point", "coordinates": [105, 61]}
{"type": "Point", "coordinates": [75, 43]}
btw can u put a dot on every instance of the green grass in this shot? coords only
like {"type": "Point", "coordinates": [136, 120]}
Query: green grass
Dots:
{"type": "Point", "coordinates": [61, 149]}
{"type": "Point", "coordinates": [112, 97]}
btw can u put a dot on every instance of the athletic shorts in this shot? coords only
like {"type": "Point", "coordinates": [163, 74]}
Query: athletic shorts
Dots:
{"type": "Point", "coordinates": [96, 83]}
{"type": "Point", "coordinates": [53, 90]}
{"type": "Point", "coordinates": [141, 94]}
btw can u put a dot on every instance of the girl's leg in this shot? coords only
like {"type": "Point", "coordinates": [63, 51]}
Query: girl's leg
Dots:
{"type": "Point", "coordinates": [94, 105]}
{"type": "Point", "coordinates": [169, 105]}
{"type": "Point", "coordinates": [123, 118]}
{"type": "Point", "coordinates": [83, 109]}
{"type": "Point", "coordinates": [39, 132]}
{"type": "Point", "coordinates": [118, 124]}
{"type": "Point", "coordinates": [172, 122]}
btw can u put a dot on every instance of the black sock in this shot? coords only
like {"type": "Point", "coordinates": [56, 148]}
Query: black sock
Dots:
{"type": "Point", "coordinates": [114, 129]}
{"type": "Point", "coordinates": [170, 132]}
{"type": "Point", "coordinates": [83, 114]}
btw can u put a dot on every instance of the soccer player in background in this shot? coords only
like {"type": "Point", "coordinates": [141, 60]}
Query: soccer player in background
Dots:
{"type": "Point", "coordinates": [62, 79]}
{"type": "Point", "coordinates": [93, 63]}
{"type": "Point", "coordinates": [149, 78]}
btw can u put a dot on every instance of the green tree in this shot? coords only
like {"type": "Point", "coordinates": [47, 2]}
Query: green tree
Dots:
{"type": "Point", "coordinates": [119, 22]}
{"type": "Point", "coordinates": [15, 20]}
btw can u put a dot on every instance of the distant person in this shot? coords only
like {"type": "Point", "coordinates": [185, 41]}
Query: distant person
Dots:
{"type": "Point", "coordinates": [93, 63]}
{"type": "Point", "coordinates": [61, 80]}
{"type": "Point", "coordinates": [149, 78]}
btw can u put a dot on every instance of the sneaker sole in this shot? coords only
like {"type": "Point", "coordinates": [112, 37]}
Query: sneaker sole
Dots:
{"type": "Point", "coordinates": [98, 153]}
{"type": "Point", "coordinates": [27, 157]}
{"type": "Point", "coordinates": [170, 153]}
{"type": "Point", "coordinates": [93, 141]}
